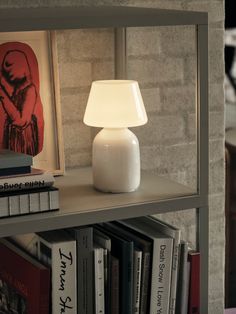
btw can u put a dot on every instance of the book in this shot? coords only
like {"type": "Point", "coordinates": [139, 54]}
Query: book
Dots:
{"type": "Point", "coordinates": [174, 233]}
{"type": "Point", "coordinates": [14, 170]}
{"type": "Point", "coordinates": [10, 159]}
{"type": "Point", "coordinates": [161, 264]}
{"type": "Point", "coordinates": [145, 245]}
{"type": "Point", "coordinates": [8, 184]}
{"type": "Point", "coordinates": [183, 280]}
{"type": "Point", "coordinates": [85, 268]}
{"type": "Point", "coordinates": [137, 271]}
{"type": "Point", "coordinates": [57, 250]}
{"type": "Point", "coordinates": [194, 283]}
{"type": "Point", "coordinates": [122, 248]}
{"type": "Point", "coordinates": [29, 201]}
{"type": "Point", "coordinates": [28, 242]}
{"type": "Point", "coordinates": [105, 242]}
{"type": "Point", "coordinates": [115, 286]}
{"type": "Point", "coordinates": [99, 306]}
{"type": "Point", "coordinates": [24, 282]}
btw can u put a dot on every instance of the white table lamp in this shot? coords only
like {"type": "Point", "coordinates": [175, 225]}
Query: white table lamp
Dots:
{"type": "Point", "coordinates": [115, 105]}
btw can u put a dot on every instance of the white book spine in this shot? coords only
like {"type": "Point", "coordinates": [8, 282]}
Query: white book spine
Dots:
{"type": "Point", "coordinates": [34, 202]}
{"type": "Point", "coordinates": [137, 280]}
{"type": "Point", "coordinates": [64, 292]}
{"type": "Point", "coordinates": [61, 258]}
{"type": "Point", "coordinates": [4, 206]}
{"type": "Point", "coordinates": [14, 205]}
{"type": "Point", "coordinates": [54, 199]}
{"type": "Point", "coordinates": [24, 204]}
{"type": "Point", "coordinates": [161, 275]}
{"type": "Point", "coordinates": [9, 184]}
{"type": "Point", "coordinates": [175, 234]}
{"type": "Point", "coordinates": [99, 280]}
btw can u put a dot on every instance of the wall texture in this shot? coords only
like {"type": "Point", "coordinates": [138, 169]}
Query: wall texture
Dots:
{"type": "Point", "coordinates": [163, 61]}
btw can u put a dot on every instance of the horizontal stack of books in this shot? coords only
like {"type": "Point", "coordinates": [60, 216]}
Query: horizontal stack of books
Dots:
{"type": "Point", "coordinates": [138, 265]}
{"type": "Point", "coordinates": [24, 189]}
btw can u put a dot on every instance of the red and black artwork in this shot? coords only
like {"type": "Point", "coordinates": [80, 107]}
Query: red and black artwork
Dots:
{"type": "Point", "coordinates": [21, 110]}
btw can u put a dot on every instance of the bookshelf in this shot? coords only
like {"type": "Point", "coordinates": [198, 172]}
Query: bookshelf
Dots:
{"type": "Point", "coordinates": [80, 203]}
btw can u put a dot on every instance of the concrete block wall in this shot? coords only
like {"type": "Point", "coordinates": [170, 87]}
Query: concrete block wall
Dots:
{"type": "Point", "coordinates": [163, 61]}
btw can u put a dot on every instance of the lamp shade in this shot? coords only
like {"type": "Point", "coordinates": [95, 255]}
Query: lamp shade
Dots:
{"type": "Point", "coordinates": [115, 104]}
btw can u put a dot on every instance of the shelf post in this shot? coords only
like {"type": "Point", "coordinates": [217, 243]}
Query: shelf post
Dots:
{"type": "Point", "coordinates": [120, 53]}
{"type": "Point", "coordinates": [203, 161]}
{"type": "Point", "coordinates": [203, 248]}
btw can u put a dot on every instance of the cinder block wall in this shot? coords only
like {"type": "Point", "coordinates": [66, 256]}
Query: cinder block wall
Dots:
{"type": "Point", "coordinates": [162, 60]}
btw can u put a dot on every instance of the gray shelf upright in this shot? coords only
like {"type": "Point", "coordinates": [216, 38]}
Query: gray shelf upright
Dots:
{"type": "Point", "coordinates": [141, 203]}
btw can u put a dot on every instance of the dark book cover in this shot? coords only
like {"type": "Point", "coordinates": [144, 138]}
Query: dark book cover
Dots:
{"type": "Point", "coordinates": [145, 245]}
{"type": "Point", "coordinates": [24, 282]}
{"type": "Point", "coordinates": [14, 170]}
{"type": "Point", "coordinates": [115, 286]}
{"type": "Point", "coordinates": [11, 159]}
{"type": "Point", "coordinates": [85, 268]}
{"type": "Point", "coordinates": [122, 248]}
{"type": "Point", "coordinates": [194, 283]}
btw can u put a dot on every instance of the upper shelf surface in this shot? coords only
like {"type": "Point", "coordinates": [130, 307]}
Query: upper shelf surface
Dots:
{"type": "Point", "coordinates": [81, 204]}
{"type": "Point", "coordinates": [26, 19]}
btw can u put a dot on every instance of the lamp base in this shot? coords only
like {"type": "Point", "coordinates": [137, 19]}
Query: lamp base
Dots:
{"type": "Point", "coordinates": [116, 161]}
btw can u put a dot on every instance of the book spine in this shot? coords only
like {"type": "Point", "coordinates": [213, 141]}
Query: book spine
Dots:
{"type": "Point", "coordinates": [4, 207]}
{"type": "Point", "coordinates": [61, 257]}
{"type": "Point", "coordinates": [99, 281]}
{"type": "Point", "coordinates": [161, 275]}
{"type": "Point", "coordinates": [29, 202]}
{"type": "Point", "coordinates": [183, 280]}
{"type": "Point", "coordinates": [174, 275]}
{"type": "Point", "coordinates": [194, 284]}
{"type": "Point", "coordinates": [175, 234]}
{"type": "Point", "coordinates": [137, 280]}
{"type": "Point", "coordinates": [84, 239]}
{"type": "Point", "coordinates": [146, 265]}
{"type": "Point", "coordinates": [115, 285]}
{"type": "Point", "coordinates": [24, 183]}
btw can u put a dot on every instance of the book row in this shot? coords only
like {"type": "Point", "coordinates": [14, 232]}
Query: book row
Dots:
{"type": "Point", "coordinates": [29, 201]}
{"type": "Point", "coordinates": [138, 265]}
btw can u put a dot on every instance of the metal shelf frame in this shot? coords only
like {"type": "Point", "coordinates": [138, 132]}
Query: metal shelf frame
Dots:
{"type": "Point", "coordinates": [28, 19]}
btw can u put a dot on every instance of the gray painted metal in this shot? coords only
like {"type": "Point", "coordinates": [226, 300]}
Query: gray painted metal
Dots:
{"type": "Point", "coordinates": [23, 19]}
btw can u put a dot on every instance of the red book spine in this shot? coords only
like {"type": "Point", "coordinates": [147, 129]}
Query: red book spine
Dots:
{"type": "Point", "coordinates": [194, 284]}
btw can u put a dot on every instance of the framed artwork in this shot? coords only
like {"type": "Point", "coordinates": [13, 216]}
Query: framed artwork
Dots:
{"type": "Point", "coordinates": [30, 114]}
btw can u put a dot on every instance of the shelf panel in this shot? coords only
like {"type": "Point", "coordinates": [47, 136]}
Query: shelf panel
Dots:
{"type": "Point", "coordinates": [24, 19]}
{"type": "Point", "coordinates": [81, 204]}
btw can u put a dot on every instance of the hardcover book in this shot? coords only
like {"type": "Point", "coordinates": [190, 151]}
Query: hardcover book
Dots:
{"type": "Point", "coordinates": [19, 183]}
{"type": "Point", "coordinates": [57, 250]}
{"type": "Point", "coordinates": [11, 159]}
{"type": "Point", "coordinates": [105, 242]}
{"type": "Point", "coordinates": [99, 294]}
{"type": "Point", "coordinates": [24, 282]}
{"type": "Point", "coordinates": [194, 283]}
{"type": "Point", "coordinates": [123, 249]}
{"type": "Point", "coordinates": [145, 245]}
{"type": "Point", "coordinates": [85, 268]}
{"type": "Point", "coordinates": [174, 233]}
{"type": "Point", "coordinates": [161, 264]}
{"type": "Point", "coordinates": [29, 201]}
{"type": "Point", "coordinates": [183, 280]}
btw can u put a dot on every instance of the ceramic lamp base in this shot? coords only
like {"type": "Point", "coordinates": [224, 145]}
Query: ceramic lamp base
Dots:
{"type": "Point", "coordinates": [116, 161]}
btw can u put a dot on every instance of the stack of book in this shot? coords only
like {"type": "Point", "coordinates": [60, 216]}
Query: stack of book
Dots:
{"type": "Point", "coordinates": [24, 189]}
{"type": "Point", "coordinates": [138, 265]}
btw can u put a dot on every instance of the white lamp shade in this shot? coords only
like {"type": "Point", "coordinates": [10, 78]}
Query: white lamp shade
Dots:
{"type": "Point", "coordinates": [115, 104]}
